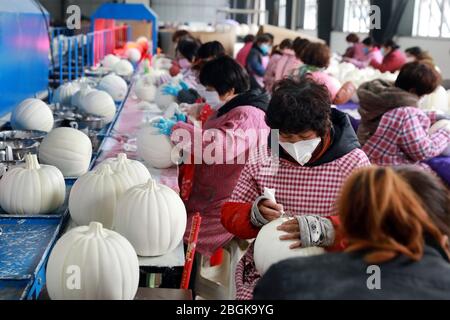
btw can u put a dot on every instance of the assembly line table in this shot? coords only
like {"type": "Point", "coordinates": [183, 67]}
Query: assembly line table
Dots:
{"type": "Point", "coordinates": [26, 241]}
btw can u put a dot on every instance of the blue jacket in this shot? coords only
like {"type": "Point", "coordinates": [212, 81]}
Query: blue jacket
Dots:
{"type": "Point", "coordinates": [254, 62]}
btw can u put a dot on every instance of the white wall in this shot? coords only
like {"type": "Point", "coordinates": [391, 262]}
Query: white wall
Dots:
{"type": "Point", "coordinates": [438, 48]}
{"type": "Point", "coordinates": [188, 10]}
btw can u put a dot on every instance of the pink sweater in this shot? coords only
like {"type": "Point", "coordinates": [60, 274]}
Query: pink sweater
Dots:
{"type": "Point", "coordinates": [329, 81]}
{"type": "Point", "coordinates": [214, 183]}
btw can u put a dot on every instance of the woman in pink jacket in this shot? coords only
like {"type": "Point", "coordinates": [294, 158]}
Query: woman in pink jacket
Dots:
{"type": "Point", "coordinates": [372, 55]}
{"type": "Point", "coordinates": [316, 58]}
{"type": "Point", "coordinates": [220, 148]}
{"type": "Point", "coordinates": [394, 59]}
{"type": "Point", "coordinates": [281, 65]}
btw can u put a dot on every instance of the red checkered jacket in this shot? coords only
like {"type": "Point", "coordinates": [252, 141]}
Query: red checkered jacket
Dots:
{"type": "Point", "coordinates": [402, 138]}
{"type": "Point", "coordinates": [309, 190]}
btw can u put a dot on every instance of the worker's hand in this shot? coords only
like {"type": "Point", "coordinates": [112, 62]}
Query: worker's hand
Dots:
{"type": "Point", "coordinates": [292, 229]}
{"type": "Point", "coordinates": [270, 210]}
{"type": "Point", "coordinates": [165, 126]}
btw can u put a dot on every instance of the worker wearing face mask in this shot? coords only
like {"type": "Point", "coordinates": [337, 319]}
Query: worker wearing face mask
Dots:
{"type": "Point", "coordinates": [371, 54]}
{"type": "Point", "coordinates": [318, 150]}
{"type": "Point", "coordinates": [208, 184]}
{"type": "Point", "coordinates": [394, 58]}
{"type": "Point", "coordinates": [258, 59]}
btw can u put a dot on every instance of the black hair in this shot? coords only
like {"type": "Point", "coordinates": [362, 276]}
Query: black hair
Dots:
{"type": "Point", "coordinates": [391, 44]}
{"type": "Point", "coordinates": [210, 50]}
{"type": "Point", "coordinates": [270, 36]}
{"type": "Point", "coordinates": [299, 106]}
{"type": "Point", "coordinates": [415, 51]}
{"type": "Point", "coordinates": [369, 42]}
{"type": "Point", "coordinates": [249, 38]}
{"type": "Point", "coordinates": [188, 48]}
{"type": "Point", "coordinates": [286, 44]}
{"type": "Point", "coordinates": [224, 74]}
{"type": "Point", "coordinates": [263, 38]}
{"type": "Point", "coordinates": [422, 78]}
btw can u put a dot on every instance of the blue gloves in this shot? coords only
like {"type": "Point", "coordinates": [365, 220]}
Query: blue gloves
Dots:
{"type": "Point", "coordinates": [165, 126]}
{"type": "Point", "coordinates": [179, 117]}
{"type": "Point", "coordinates": [173, 89]}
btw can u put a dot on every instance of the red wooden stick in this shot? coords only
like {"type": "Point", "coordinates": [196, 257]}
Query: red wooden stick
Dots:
{"type": "Point", "coordinates": [190, 252]}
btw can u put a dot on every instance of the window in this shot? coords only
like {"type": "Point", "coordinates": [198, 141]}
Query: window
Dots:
{"type": "Point", "coordinates": [310, 18]}
{"type": "Point", "coordinates": [282, 13]}
{"type": "Point", "coordinates": [432, 18]}
{"type": "Point", "coordinates": [356, 16]}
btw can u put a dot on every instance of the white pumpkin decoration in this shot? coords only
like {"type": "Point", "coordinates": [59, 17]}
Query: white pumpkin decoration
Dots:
{"type": "Point", "coordinates": [152, 217]}
{"type": "Point", "coordinates": [64, 93]}
{"type": "Point", "coordinates": [145, 90]}
{"type": "Point", "coordinates": [163, 101]}
{"type": "Point", "coordinates": [99, 103]}
{"type": "Point", "coordinates": [94, 195]}
{"type": "Point", "coordinates": [156, 149]}
{"type": "Point", "coordinates": [32, 189]}
{"type": "Point", "coordinates": [133, 54]}
{"type": "Point", "coordinates": [442, 124]}
{"type": "Point", "coordinates": [123, 68]}
{"type": "Point", "coordinates": [269, 249]}
{"type": "Point", "coordinates": [78, 98]}
{"type": "Point", "coordinates": [115, 86]}
{"type": "Point", "coordinates": [436, 101]}
{"type": "Point", "coordinates": [109, 61]}
{"type": "Point", "coordinates": [135, 170]}
{"type": "Point", "coordinates": [32, 114]}
{"type": "Point", "coordinates": [67, 149]}
{"type": "Point", "coordinates": [106, 263]}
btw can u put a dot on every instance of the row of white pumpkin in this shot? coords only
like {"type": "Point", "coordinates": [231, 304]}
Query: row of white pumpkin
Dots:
{"type": "Point", "coordinates": [34, 114]}
{"type": "Point", "coordinates": [437, 101]}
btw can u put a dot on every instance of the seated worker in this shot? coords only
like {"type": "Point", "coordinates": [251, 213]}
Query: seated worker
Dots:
{"type": "Point", "coordinates": [394, 59]}
{"type": "Point", "coordinates": [318, 150]}
{"type": "Point", "coordinates": [393, 130]}
{"type": "Point", "coordinates": [217, 160]}
{"type": "Point", "coordinates": [355, 48]}
{"type": "Point", "coordinates": [316, 58]}
{"type": "Point", "coordinates": [386, 226]}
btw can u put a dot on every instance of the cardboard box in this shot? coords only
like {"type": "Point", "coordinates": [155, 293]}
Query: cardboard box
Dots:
{"type": "Point", "coordinates": [228, 40]}
{"type": "Point", "coordinates": [282, 33]}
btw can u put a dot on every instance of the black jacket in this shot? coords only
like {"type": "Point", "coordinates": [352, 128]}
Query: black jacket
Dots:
{"type": "Point", "coordinates": [256, 98]}
{"type": "Point", "coordinates": [343, 140]}
{"type": "Point", "coordinates": [344, 276]}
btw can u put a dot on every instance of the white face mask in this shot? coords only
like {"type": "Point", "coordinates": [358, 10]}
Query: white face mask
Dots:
{"type": "Point", "coordinates": [212, 98]}
{"type": "Point", "coordinates": [301, 151]}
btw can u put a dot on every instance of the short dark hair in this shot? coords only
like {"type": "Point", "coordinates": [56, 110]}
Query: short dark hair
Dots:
{"type": "Point", "coordinates": [179, 34]}
{"type": "Point", "coordinates": [415, 51]}
{"type": "Point", "coordinates": [263, 38]}
{"type": "Point", "coordinates": [286, 44]}
{"type": "Point", "coordinates": [352, 38]}
{"type": "Point", "coordinates": [212, 49]}
{"type": "Point", "coordinates": [391, 44]}
{"type": "Point", "coordinates": [299, 106]}
{"type": "Point", "coordinates": [224, 74]}
{"type": "Point", "coordinates": [188, 48]}
{"type": "Point", "coordinates": [270, 36]}
{"type": "Point", "coordinates": [249, 38]}
{"type": "Point", "coordinates": [369, 41]}
{"type": "Point", "coordinates": [299, 45]}
{"type": "Point", "coordinates": [316, 54]}
{"type": "Point", "coordinates": [422, 78]}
